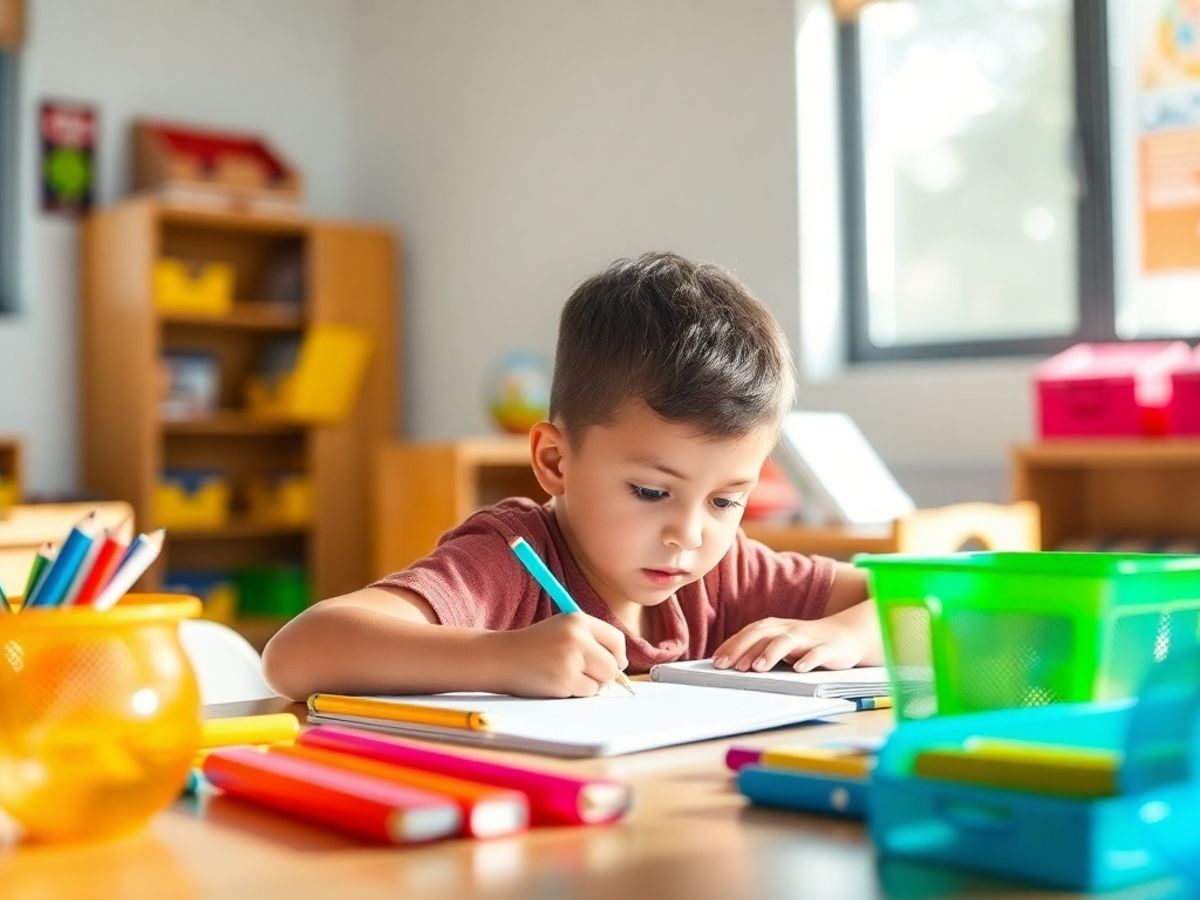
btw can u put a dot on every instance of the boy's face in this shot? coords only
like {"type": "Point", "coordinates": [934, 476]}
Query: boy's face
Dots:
{"type": "Point", "coordinates": [651, 505]}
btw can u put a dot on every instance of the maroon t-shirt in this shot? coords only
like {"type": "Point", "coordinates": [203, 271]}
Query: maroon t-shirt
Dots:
{"type": "Point", "coordinates": [472, 579]}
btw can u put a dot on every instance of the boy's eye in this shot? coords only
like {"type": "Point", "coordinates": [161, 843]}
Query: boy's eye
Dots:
{"type": "Point", "coordinates": [645, 493]}
{"type": "Point", "coordinates": [725, 503]}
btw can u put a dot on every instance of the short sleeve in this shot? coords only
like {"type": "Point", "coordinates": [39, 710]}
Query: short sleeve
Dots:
{"type": "Point", "coordinates": [755, 582]}
{"type": "Point", "coordinates": [470, 579]}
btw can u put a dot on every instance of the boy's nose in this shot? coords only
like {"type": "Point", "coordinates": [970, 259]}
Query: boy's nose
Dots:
{"type": "Point", "coordinates": [686, 534]}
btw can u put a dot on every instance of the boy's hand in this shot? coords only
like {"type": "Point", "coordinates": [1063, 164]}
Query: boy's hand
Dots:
{"type": "Point", "coordinates": [805, 643]}
{"type": "Point", "coordinates": [571, 655]}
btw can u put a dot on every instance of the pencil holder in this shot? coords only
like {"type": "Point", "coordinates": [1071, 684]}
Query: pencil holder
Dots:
{"type": "Point", "coordinates": [99, 716]}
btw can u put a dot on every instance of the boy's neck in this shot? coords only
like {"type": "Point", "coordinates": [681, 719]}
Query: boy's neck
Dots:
{"type": "Point", "coordinates": [635, 617]}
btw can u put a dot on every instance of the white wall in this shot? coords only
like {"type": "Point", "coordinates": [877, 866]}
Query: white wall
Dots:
{"type": "Point", "coordinates": [523, 145]}
{"type": "Point", "coordinates": [279, 66]}
{"type": "Point", "coordinates": [518, 146]}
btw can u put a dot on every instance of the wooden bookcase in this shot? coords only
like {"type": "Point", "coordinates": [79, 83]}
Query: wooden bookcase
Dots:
{"type": "Point", "coordinates": [428, 488]}
{"type": "Point", "coordinates": [1095, 491]}
{"type": "Point", "coordinates": [347, 273]}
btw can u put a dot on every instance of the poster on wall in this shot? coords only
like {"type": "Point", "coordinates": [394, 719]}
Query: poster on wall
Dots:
{"type": "Point", "coordinates": [1168, 135]}
{"type": "Point", "coordinates": [68, 133]}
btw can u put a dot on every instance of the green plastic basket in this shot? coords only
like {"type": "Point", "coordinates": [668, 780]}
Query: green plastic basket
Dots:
{"type": "Point", "coordinates": [977, 631]}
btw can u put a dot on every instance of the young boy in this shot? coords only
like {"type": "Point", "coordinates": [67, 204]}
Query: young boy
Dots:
{"type": "Point", "coordinates": [670, 382]}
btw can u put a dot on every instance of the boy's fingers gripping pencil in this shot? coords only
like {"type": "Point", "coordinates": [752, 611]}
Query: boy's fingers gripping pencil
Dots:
{"type": "Point", "coordinates": [562, 599]}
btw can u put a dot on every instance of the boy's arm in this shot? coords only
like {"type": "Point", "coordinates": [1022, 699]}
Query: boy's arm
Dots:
{"type": "Point", "coordinates": [847, 635]}
{"type": "Point", "coordinates": [388, 641]}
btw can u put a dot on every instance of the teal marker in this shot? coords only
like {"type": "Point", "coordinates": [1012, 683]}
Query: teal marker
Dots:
{"type": "Point", "coordinates": [542, 575]}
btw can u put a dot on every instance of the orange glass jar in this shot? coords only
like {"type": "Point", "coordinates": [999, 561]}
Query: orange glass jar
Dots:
{"type": "Point", "coordinates": [99, 716]}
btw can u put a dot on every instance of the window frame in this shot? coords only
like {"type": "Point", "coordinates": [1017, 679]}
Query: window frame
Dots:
{"type": "Point", "coordinates": [1095, 267]}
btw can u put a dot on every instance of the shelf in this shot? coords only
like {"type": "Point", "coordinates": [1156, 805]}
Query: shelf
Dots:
{"type": "Point", "coordinates": [1107, 452]}
{"type": "Point", "coordinates": [237, 530]}
{"type": "Point", "coordinates": [250, 316]}
{"type": "Point", "coordinates": [282, 223]}
{"type": "Point", "coordinates": [231, 423]}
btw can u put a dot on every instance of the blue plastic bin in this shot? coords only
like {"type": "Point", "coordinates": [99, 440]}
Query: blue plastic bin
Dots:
{"type": "Point", "coordinates": [1082, 844]}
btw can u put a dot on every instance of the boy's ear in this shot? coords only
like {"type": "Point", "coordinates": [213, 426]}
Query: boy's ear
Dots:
{"type": "Point", "coordinates": [547, 446]}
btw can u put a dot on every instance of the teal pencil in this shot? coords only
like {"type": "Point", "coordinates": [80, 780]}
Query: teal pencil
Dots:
{"type": "Point", "coordinates": [552, 586]}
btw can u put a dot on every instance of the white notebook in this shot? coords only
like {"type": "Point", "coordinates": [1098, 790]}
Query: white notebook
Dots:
{"type": "Point", "coordinates": [660, 715]}
{"type": "Point", "coordinates": [868, 681]}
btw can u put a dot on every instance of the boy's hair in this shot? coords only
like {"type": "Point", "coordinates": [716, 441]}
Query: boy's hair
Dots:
{"type": "Point", "coordinates": [687, 338]}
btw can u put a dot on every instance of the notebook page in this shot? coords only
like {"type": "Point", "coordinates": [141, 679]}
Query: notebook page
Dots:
{"type": "Point", "coordinates": [659, 715]}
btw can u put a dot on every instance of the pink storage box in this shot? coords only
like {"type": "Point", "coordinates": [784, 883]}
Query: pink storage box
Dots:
{"type": "Point", "coordinates": [1183, 412]}
{"type": "Point", "coordinates": [1108, 390]}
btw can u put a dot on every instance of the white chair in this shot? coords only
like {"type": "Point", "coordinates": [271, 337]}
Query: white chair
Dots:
{"type": "Point", "coordinates": [228, 669]}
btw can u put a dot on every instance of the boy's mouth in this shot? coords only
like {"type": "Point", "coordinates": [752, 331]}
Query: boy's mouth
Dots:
{"type": "Point", "coordinates": [664, 576]}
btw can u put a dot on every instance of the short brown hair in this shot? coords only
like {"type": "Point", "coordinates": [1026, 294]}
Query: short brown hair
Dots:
{"type": "Point", "coordinates": [687, 338]}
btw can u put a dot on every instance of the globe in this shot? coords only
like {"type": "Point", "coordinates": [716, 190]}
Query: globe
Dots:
{"type": "Point", "coordinates": [519, 391]}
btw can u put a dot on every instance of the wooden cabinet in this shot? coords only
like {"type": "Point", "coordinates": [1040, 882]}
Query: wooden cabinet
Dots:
{"type": "Point", "coordinates": [337, 273]}
{"type": "Point", "coordinates": [428, 488]}
{"type": "Point", "coordinates": [1100, 494]}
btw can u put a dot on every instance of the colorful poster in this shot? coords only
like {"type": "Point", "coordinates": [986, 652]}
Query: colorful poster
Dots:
{"type": "Point", "coordinates": [68, 132]}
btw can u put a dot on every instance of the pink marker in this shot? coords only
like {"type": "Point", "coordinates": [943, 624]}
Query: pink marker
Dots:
{"type": "Point", "coordinates": [553, 799]}
{"type": "Point", "coordinates": [737, 757]}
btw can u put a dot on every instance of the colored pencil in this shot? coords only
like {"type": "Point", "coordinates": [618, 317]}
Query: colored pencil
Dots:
{"type": "Point", "coordinates": [554, 799]}
{"type": "Point", "coordinates": [850, 761]}
{"type": "Point", "coordinates": [397, 711]}
{"type": "Point", "coordinates": [1024, 765]}
{"type": "Point", "coordinates": [369, 807]}
{"type": "Point", "coordinates": [262, 729]}
{"type": "Point", "coordinates": [107, 560]}
{"type": "Point", "coordinates": [487, 811]}
{"type": "Point", "coordinates": [53, 585]}
{"type": "Point", "coordinates": [85, 567]}
{"type": "Point", "coordinates": [41, 561]}
{"type": "Point", "coordinates": [138, 558]}
{"type": "Point", "coordinates": [4, 604]}
{"type": "Point", "coordinates": [558, 593]}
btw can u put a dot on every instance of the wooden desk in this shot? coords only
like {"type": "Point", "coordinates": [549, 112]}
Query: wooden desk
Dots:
{"type": "Point", "coordinates": [690, 836]}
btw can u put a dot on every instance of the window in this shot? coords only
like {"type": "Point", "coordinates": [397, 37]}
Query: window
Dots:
{"type": "Point", "coordinates": [977, 183]}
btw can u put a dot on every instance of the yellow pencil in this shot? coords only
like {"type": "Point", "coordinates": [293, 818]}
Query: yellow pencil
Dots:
{"type": "Point", "coordinates": [265, 729]}
{"type": "Point", "coordinates": [396, 711]}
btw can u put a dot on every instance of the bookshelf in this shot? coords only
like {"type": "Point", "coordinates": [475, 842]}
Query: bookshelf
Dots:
{"type": "Point", "coordinates": [345, 275]}
{"type": "Point", "coordinates": [425, 489]}
{"type": "Point", "coordinates": [1141, 494]}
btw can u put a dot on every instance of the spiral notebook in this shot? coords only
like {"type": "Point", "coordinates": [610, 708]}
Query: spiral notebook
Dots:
{"type": "Point", "coordinates": [868, 681]}
{"type": "Point", "coordinates": [610, 724]}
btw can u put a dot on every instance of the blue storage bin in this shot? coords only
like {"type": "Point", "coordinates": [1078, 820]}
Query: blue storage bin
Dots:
{"type": "Point", "coordinates": [1082, 844]}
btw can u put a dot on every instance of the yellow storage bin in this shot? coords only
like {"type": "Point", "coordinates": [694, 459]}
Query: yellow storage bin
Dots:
{"type": "Point", "coordinates": [192, 500]}
{"type": "Point", "coordinates": [205, 288]}
{"type": "Point", "coordinates": [10, 494]}
{"type": "Point", "coordinates": [286, 498]}
{"type": "Point", "coordinates": [322, 384]}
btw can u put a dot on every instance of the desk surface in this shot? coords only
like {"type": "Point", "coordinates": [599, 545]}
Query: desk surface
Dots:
{"type": "Point", "coordinates": [691, 836]}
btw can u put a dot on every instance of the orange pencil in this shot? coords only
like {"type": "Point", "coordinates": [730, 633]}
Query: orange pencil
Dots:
{"type": "Point", "coordinates": [107, 560]}
{"type": "Point", "coordinates": [487, 811]}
